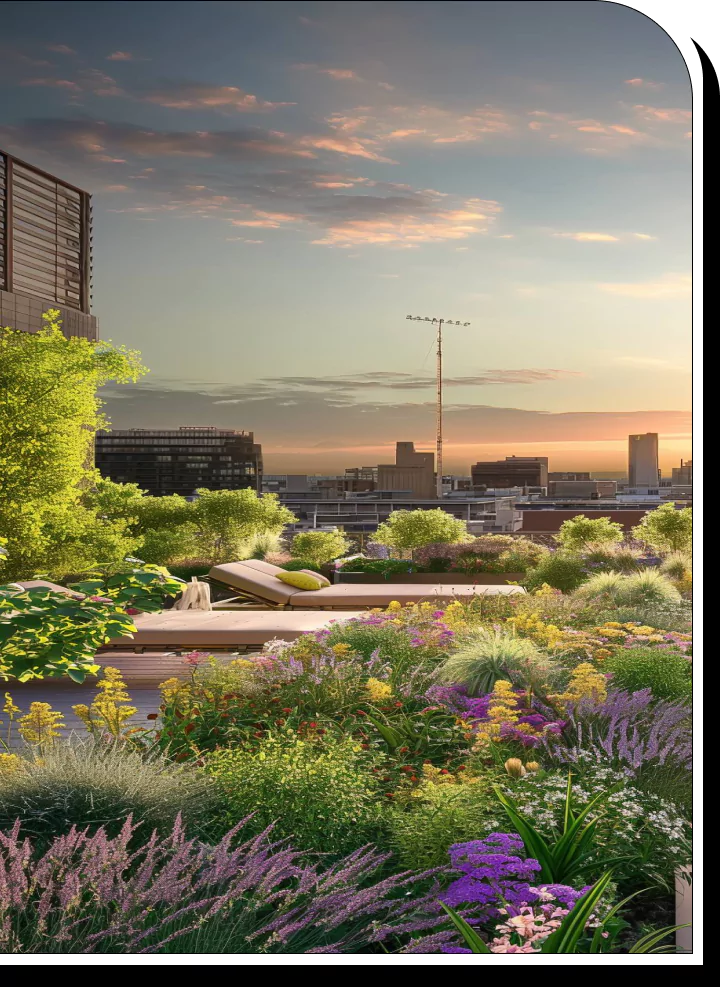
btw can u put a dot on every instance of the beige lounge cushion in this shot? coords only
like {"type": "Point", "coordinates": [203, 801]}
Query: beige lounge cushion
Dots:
{"type": "Point", "coordinates": [382, 594]}
{"type": "Point", "coordinates": [254, 577]}
{"type": "Point", "coordinates": [223, 628]}
{"type": "Point", "coordinates": [323, 580]}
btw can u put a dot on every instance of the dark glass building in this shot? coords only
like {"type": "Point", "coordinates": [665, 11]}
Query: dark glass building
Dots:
{"type": "Point", "coordinates": [45, 250]}
{"type": "Point", "coordinates": [514, 471]}
{"type": "Point", "coordinates": [180, 461]}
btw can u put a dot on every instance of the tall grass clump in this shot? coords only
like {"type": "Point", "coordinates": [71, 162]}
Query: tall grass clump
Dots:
{"type": "Point", "coordinates": [648, 588]}
{"type": "Point", "coordinates": [487, 655]}
{"type": "Point", "coordinates": [90, 785]}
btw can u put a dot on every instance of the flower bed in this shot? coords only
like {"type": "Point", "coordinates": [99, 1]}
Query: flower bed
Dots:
{"type": "Point", "coordinates": [524, 763]}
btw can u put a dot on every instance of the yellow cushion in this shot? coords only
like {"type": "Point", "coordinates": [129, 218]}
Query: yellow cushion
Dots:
{"type": "Point", "coordinates": [324, 582]}
{"type": "Point", "coordinates": [300, 580]}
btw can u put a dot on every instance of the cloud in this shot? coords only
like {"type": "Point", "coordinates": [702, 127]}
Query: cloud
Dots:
{"type": "Point", "coordinates": [349, 423]}
{"type": "Point", "coordinates": [669, 286]}
{"type": "Point", "coordinates": [91, 81]}
{"type": "Point", "coordinates": [121, 56]}
{"type": "Point", "coordinates": [644, 84]}
{"type": "Point", "coordinates": [194, 96]}
{"type": "Point", "coordinates": [644, 236]}
{"type": "Point", "coordinates": [61, 49]}
{"type": "Point", "coordinates": [340, 74]}
{"type": "Point", "coordinates": [655, 114]}
{"type": "Point", "coordinates": [589, 237]}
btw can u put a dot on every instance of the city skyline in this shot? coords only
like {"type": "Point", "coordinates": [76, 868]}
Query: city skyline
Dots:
{"type": "Point", "coordinates": [267, 216]}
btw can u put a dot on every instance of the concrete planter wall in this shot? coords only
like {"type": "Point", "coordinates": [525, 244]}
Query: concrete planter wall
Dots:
{"type": "Point", "coordinates": [432, 578]}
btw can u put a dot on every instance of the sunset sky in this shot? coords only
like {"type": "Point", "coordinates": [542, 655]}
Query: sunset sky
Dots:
{"type": "Point", "coordinates": [277, 185]}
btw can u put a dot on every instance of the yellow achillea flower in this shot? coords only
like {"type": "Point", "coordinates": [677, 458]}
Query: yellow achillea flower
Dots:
{"type": "Point", "coordinates": [10, 709]}
{"type": "Point", "coordinates": [110, 708]}
{"type": "Point", "coordinates": [41, 725]}
{"type": "Point", "coordinates": [378, 691]}
{"type": "Point", "coordinates": [174, 692]}
{"type": "Point", "coordinates": [395, 607]}
{"type": "Point", "coordinates": [585, 683]}
{"type": "Point", "coordinates": [10, 764]}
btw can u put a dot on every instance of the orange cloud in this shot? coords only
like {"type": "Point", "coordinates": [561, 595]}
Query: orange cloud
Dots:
{"type": "Point", "coordinates": [669, 286]}
{"type": "Point", "coordinates": [120, 56]}
{"type": "Point", "coordinates": [656, 114]}
{"type": "Point", "coordinates": [589, 237]}
{"type": "Point", "coordinates": [191, 97]}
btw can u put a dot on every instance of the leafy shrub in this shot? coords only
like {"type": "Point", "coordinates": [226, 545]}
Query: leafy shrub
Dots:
{"type": "Point", "coordinates": [90, 785]}
{"type": "Point", "coordinates": [487, 553]}
{"type": "Point", "coordinates": [486, 656]}
{"type": "Point", "coordinates": [578, 532]}
{"type": "Point", "coordinates": [666, 529]}
{"type": "Point", "coordinates": [320, 546]}
{"type": "Point", "coordinates": [323, 795]}
{"type": "Point", "coordinates": [667, 673]}
{"type": "Point", "coordinates": [438, 814]}
{"type": "Point", "coordinates": [642, 589]}
{"type": "Point", "coordinates": [176, 895]}
{"type": "Point", "coordinates": [561, 570]}
{"type": "Point", "coordinates": [408, 530]}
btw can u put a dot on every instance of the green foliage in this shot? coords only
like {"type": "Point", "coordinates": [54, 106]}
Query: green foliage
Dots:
{"type": "Point", "coordinates": [487, 655]}
{"type": "Point", "coordinates": [49, 412]}
{"type": "Point", "coordinates": [48, 635]}
{"type": "Point", "coordinates": [220, 526]}
{"type": "Point", "coordinates": [561, 570]}
{"type": "Point", "coordinates": [89, 785]}
{"type": "Point", "coordinates": [578, 532]}
{"type": "Point", "coordinates": [612, 557]}
{"type": "Point", "coordinates": [320, 546]}
{"type": "Point", "coordinates": [649, 588]}
{"type": "Point", "coordinates": [667, 673]}
{"type": "Point", "coordinates": [643, 837]}
{"type": "Point", "coordinates": [565, 855]}
{"type": "Point", "coordinates": [323, 795]}
{"type": "Point", "coordinates": [423, 826]}
{"type": "Point", "coordinates": [380, 567]}
{"type": "Point", "coordinates": [408, 530]}
{"type": "Point", "coordinates": [135, 586]}
{"type": "Point", "coordinates": [666, 529]}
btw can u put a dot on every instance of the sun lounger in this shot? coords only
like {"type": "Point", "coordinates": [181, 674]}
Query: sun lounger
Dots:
{"type": "Point", "coordinates": [218, 630]}
{"type": "Point", "coordinates": [257, 581]}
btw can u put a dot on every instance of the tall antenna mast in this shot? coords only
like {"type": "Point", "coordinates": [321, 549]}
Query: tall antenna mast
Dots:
{"type": "Point", "coordinates": [439, 323]}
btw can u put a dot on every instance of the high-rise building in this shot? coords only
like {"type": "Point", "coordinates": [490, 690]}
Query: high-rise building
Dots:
{"type": "Point", "coordinates": [413, 472]}
{"type": "Point", "coordinates": [180, 461]}
{"type": "Point", "coordinates": [643, 461]}
{"type": "Point", "coordinates": [45, 250]}
{"type": "Point", "coordinates": [514, 471]}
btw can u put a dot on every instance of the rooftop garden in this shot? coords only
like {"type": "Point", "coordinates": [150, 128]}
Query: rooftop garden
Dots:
{"type": "Point", "coordinates": [510, 774]}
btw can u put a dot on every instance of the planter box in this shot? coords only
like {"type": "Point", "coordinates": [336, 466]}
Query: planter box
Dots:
{"type": "Point", "coordinates": [432, 578]}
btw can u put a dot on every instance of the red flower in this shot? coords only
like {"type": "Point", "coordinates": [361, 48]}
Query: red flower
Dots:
{"type": "Point", "coordinates": [321, 733]}
{"type": "Point", "coordinates": [389, 795]}
{"type": "Point", "coordinates": [286, 710]}
{"type": "Point", "coordinates": [152, 716]}
{"type": "Point", "coordinates": [361, 712]}
{"type": "Point", "coordinates": [414, 778]}
{"type": "Point", "coordinates": [462, 768]}
{"type": "Point", "coordinates": [132, 612]}
{"type": "Point", "coordinates": [444, 771]}
{"type": "Point", "coordinates": [404, 750]}
{"type": "Point", "coordinates": [312, 726]}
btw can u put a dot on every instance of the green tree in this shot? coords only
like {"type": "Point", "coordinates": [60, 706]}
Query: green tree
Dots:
{"type": "Point", "coordinates": [227, 520]}
{"type": "Point", "coordinates": [666, 529]}
{"type": "Point", "coordinates": [49, 412]}
{"type": "Point", "coordinates": [408, 530]}
{"type": "Point", "coordinates": [319, 547]}
{"type": "Point", "coordinates": [580, 531]}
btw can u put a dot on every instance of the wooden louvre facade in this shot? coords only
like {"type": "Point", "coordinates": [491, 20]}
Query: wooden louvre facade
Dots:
{"type": "Point", "coordinates": [45, 236]}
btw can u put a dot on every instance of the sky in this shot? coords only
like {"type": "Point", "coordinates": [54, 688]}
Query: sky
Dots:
{"type": "Point", "coordinates": [278, 185]}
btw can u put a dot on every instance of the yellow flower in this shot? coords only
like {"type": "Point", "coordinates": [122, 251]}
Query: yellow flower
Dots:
{"type": "Point", "coordinates": [110, 708]}
{"type": "Point", "coordinates": [41, 725]}
{"type": "Point", "coordinates": [585, 683]}
{"type": "Point", "coordinates": [378, 691]}
{"type": "Point", "coordinates": [395, 607]}
{"type": "Point", "coordinates": [10, 764]}
{"type": "Point", "coordinates": [10, 708]}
